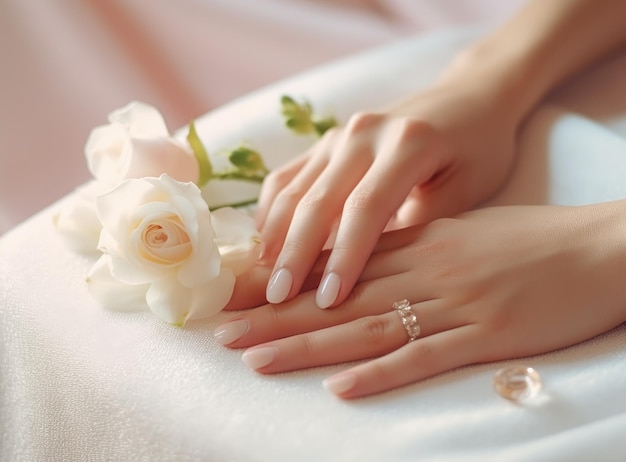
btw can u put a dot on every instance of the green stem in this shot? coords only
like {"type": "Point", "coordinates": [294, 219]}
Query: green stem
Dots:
{"type": "Point", "coordinates": [236, 204]}
{"type": "Point", "coordinates": [238, 176]}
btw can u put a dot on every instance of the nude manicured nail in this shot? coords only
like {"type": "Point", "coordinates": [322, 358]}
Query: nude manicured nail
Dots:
{"type": "Point", "coordinates": [340, 383]}
{"type": "Point", "coordinates": [231, 331]}
{"type": "Point", "coordinates": [328, 290]}
{"type": "Point", "coordinates": [256, 358]}
{"type": "Point", "coordinates": [279, 286]}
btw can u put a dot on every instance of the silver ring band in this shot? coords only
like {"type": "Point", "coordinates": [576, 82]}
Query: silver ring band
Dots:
{"type": "Point", "coordinates": [409, 320]}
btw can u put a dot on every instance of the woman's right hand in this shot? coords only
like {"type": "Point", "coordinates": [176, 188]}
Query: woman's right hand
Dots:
{"type": "Point", "coordinates": [440, 153]}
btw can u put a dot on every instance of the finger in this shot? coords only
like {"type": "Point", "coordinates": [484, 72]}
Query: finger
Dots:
{"type": "Point", "coordinates": [318, 210]}
{"type": "Point", "coordinates": [249, 289]}
{"type": "Point", "coordinates": [274, 182]}
{"type": "Point", "coordinates": [416, 361]}
{"type": "Point", "coordinates": [409, 213]}
{"type": "Point", "coordinates": [285, 190]}
{"type": "Point", "coordinates": [271, 322]}
{"type": "Point", "coordinates": [388, 259]}
{"type": "Point", "coordinates": [362, 338]}
{"type": "Point", "coordinates": [411, 160]}
{"type": "Point", "coordinates": [299, 315]}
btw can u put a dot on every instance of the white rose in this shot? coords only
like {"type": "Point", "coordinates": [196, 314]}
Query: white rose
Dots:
{"type": "Point", "coordinates": [137, 144]}
{"type": "Point", "coordinates": [76, 218]}
{"type": "Point", "coordinates": [163, 250]}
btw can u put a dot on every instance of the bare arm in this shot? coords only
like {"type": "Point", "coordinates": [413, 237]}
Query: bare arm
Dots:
{"type": "Point", "coordinates": [542, 46]}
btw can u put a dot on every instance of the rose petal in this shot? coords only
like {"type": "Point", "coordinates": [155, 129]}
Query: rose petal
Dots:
{"type": "Point", "coordinates": [119, 206]}
{"type": "Point", "coordinates": [204, 263]}
{"type": "Point", "coordinates": [140, 120]}
{"type": "Point", "coordinates": [155, 156]}
{"type": "Point", "coordinates": [103, 152]}
{"type": "Point", "coordinates": [175, 304]}
{"type": "Point", "coordinates": [211, 298]}
{"type": "Point", "coordinates": [77, 220]}
{"type": "Point", "coordinates": [120, 212]}
{"type": "Point", "coordinates": [113, 294]}
{"type": "Point", "coordinates": [133, 205]}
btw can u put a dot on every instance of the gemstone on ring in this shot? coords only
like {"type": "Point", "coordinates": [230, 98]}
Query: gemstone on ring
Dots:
{"type": "Point", "coordinates": [409, 319]}
{"type": "Point", "coordinates": [517, 383]}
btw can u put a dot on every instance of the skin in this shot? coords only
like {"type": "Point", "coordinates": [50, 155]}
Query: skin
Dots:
{"type": "Point", "coordinates": [437, 154]}
{"type": "Point", "coordinates": [508, 276]}
{"type": "Point", "coordinates": [470, 289]}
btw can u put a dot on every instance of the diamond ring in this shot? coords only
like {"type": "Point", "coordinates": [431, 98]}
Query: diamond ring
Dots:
{"type": "Point", "coordinates": [409, 320]}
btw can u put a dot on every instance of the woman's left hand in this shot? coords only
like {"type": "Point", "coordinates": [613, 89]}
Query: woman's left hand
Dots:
{"type": "Point", "coordinates": [492, 284]}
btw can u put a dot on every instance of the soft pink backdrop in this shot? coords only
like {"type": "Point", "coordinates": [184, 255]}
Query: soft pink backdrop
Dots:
{"type": "Point", "coordinates": [67, 64]}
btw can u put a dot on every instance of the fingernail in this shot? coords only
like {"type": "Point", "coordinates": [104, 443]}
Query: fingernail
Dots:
{"type": "Point", "coordinates": [340, 383]}
{"type": "Point", "coordinates": [328, 290]}
{"type": "Point", "coordinates": [231, 331]}
{"type": "Point", "coordinates": [259, 357]}
{"type": "Point", "coordinates": [279, 286]}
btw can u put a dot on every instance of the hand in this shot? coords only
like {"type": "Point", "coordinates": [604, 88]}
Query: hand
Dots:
{"type": "Point", "coordinates": [439, 154]}
{"type": "Point", "coordinates": [492, 284]}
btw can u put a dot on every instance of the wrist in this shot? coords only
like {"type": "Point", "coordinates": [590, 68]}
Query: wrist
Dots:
{"type": "Point", "coordinates": [500, 77]}
{"type": "Point", "coordinates": [541, 47]}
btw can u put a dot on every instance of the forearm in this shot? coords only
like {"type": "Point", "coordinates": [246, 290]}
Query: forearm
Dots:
{"type": "Point", "coordinates": [542, 46]}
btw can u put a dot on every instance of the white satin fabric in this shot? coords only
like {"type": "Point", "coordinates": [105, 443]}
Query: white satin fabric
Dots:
{"type": "Point", "coordinates": [79, 383]}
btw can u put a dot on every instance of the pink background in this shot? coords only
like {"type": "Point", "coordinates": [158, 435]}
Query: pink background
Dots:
{"type": "Point", "coordinates": [67, 64]}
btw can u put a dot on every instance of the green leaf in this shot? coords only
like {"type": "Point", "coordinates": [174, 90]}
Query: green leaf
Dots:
{"type": "Point", "coordinates": [325, 124]}
{"type": "Point", "coordinates": [248, 161]}
{"type": "Point", "coordinates": [301, 119]}
{"type": "Point", "coordinates": [297, 116]}
{"type": "Point", "coordinates": [204, 163]}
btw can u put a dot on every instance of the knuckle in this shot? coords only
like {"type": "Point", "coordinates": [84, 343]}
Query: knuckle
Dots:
{"type": "Point", "coordinates": [410, 128]}
{"type": "Point", "coordinates": [354, 301]}
{"type": "Point", "coordinates": [423, 356]}
{"type": "Point", "coordinates": [360, 200]}
{"type": "Point", "coordinates": [328, 136]}
{"type": "Point", "coordinates": [501, 322]}
{"type": "Point", "coordinates": [414, 136]}
{"type": "Point", "coordinates": [276, 318]}
{"type": "Point", "coordinates": [290, 194]}
{"type": "Point", "coordinates": [313, 202]}
{"type": "Point", "coordinates": [374, 329]}
{"type": "Point", "coordinates": [293, 246]}
{"type": "Point", "coordinates": [308, 346]}
{"type": "Point", "coordinates": [365, 201]}
{"type": "Point", "coordinates": [362, 120]}
{"type": "Point", "coordinates": [278, 178]}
